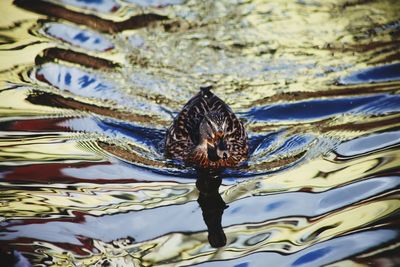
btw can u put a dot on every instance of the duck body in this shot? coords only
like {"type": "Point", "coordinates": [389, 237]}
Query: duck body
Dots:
{"type": "Point", "coordinates": [207, 134]}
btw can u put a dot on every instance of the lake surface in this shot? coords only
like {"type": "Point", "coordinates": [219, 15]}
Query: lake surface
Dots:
{"type": "Point", "coordinates": [88, 88]}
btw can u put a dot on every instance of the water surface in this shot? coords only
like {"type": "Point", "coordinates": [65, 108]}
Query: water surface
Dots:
{"type": "Point", "coordinates": [87, 89]}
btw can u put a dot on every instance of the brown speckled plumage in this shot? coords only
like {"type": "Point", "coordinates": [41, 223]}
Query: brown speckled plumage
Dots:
{"type": "Point", "coordinates": [183, 137]}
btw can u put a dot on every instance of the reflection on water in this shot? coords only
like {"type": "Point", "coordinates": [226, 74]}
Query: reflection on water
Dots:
{"type": "Point", "coordinates": [212, 206]}
{"type": "Point", "coordinates": [87, 89]}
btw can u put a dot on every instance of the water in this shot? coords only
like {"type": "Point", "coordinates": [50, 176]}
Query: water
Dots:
{"type": "Point", "coordinates": [87, 89]}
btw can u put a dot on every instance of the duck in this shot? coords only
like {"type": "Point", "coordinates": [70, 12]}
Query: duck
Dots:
{"type": "Point", "coordinates": [206, 134]}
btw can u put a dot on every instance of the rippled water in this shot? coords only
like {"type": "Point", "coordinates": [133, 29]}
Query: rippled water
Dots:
{"type": "Point", "coordinates": [87, 89]}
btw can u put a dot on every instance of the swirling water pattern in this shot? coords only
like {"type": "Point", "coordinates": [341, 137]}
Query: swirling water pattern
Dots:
{"type": "Point", "coordinates": [87, 89]}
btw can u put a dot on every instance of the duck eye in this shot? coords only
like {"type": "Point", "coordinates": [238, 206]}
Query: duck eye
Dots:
{"type": "Point", "coordinates": [225, 156]}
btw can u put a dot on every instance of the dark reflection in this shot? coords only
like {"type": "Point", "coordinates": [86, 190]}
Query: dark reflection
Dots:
{"type": "Point", "coordinates": [12, 258]}
{"type": "Point", "coordinates": [212, 205]}
{"type": "Point", "coordinates": [54, 54]}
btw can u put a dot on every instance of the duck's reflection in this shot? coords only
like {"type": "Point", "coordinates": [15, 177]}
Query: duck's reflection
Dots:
{"type": "Point", "coordinates": [212, 206]}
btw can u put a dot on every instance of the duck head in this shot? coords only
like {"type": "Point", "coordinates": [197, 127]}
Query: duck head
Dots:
{"type": "Point", "coordinates": [212, 149]}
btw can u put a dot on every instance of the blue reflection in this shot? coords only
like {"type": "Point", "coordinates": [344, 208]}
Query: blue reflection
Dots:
{"type": "Point", "coordinates": [100, 87]}
{"type": "Point", "coordinates": [155, 3]}
{"type": "Point", "coordinates": [293, 143]}
{"type": "Point", "coordinates": [271, 146]}
{"type": "Point", "coordinates": [274, 205]}
{"type": "Point", "coordinates": [148, 136]}
{"type": "Point", "coordinates": [375, 74]}
{"type": "Point", "coordinates": [244, 264]}
{"type": "Point", "coordinates": [259, 143]}
{"type": "Point", "coordinates": [235, 210]}
{"type": "Point", "coordinates": [79, 82]}
{"type": "Point", "coordinates": [67, 78]}
{"type": "Point", "coordinates": [79, 37]}
{"type": "Point", "coordinates": [86, 80]}
{"type": "Point", "coordinates": [322, 108]}
{"type": "Point", "coordinates": [320, 254]}
{"type": "Point", "coordinates": [312, 256]}
{"type": "Point", "coordinates": [91, 1]}
{"type": "Point", "coordinates": [82, 37]}
{"type": "Point", "coordinates": [367, 144]}
{"type": "Point", "coordinates": [390, 103]}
